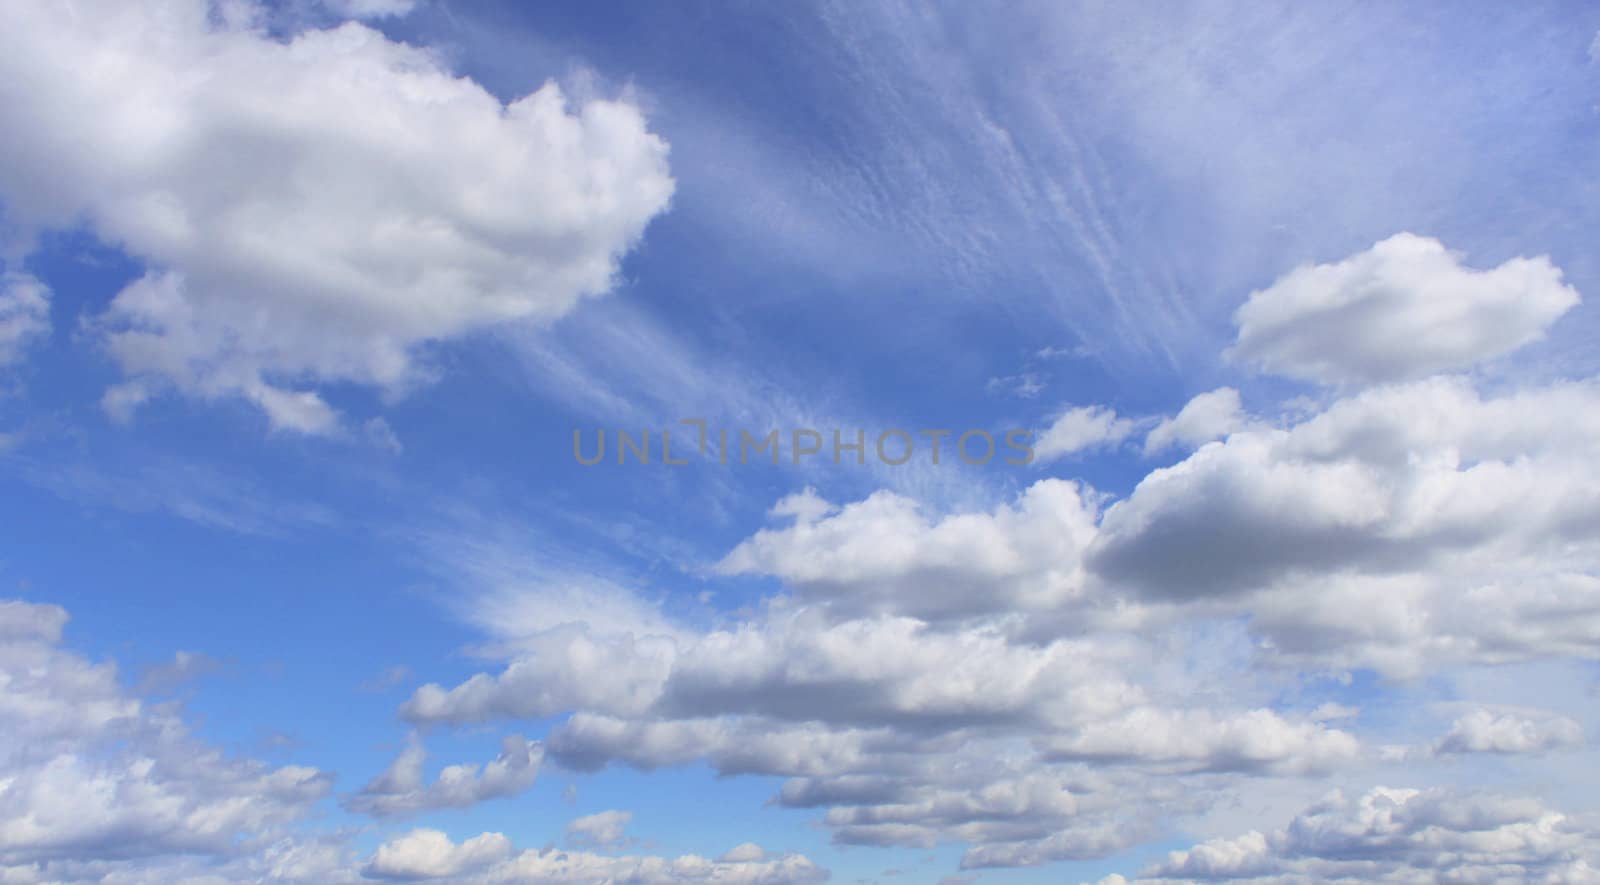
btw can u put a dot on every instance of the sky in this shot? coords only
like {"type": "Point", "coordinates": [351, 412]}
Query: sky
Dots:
{"type": "Point", "coordinates": [1262, 541]}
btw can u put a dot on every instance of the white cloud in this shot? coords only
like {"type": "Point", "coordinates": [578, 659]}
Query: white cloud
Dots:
{"type": "Point", "coordinates": [309, 210]}
{"type": "Point", "coordinates": [908, 732]}
{"type": "Point", "coordinates": [97, 786]}
{"type": "Point", "coordinates": [1072, 844]}
{"type": "Point", "coordinates": [796, 666]}
{"type": "Point", "coordinates": [1488, 731]}
{"type": "Point", "coordinates": [805, 506]}
{"type": "Point", "coordinates": [490, 857]}
{"type": "Point", "coordinates": [1333, 712]}
{"type": "Point", "coordinates": [24, 314]}
{"type": "Point", "coordinates": [1080, 429]}
{"type": "Point", "coordinates": [600, 830]}
{"type": "Point", "coordinates": [744, 852]}
{"type": "Point", "coordinates": [1402, 310]}
{"type": "Point", "coordinates": [1199, 740]}
{"type": "Point", "coordinates": [886, 554]}
{"type": "Point", "coordinates": [1402, 835]}
{"type": "Point", "coordinates": [1207, 417]}
{"type": "Point", "coordinates": [733, 745]}
{"type": "Point", "coordinates": [400, 789]}
{"type": "Point", "coordinates": [1111, 668]}
{"type": "Point", "coordinates": [1356, 536]}
{"type": "Point", "coordinates": [1053, 678]}
{"type": "Point", "coordinates": [97, 781]}
{"type": "Point", "coordinates": [429, 854]}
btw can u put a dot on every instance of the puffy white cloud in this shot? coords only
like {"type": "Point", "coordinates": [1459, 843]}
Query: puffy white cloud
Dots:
{"type": "Point", "coordinates": [429, 854]}
{"type": "Point", "coordinates": [1401, 528]}
{"type": "Point", "coordinates": [1080, 429]}
{"type": "Point", "coordinates": [568, 668]}
{"type": "Point", "coordinates": [1488, 731]}
{"type": "Point", "coordinates": [30, 621]}
{"type": "Point", "coordinates": [1013, 807]}
{"type": "Point", "coordinates": [96, 784]}
{"type": "Point", "coordinates": [603, 829]}
{"type": "Point", "coordinates": [310, 209]}
{"type": "Point", "coordinates": [1199, 740]}
{"type": "Point", "coordinates": [300, 860]}
{"type": "Point", "coordinates": [490, 858]}
{"type": "Point", "coordinates": [918, 657]}
{"type": "Point", "coordinates": [907, 734]}
{"type": "Point", "coordinates": [1402, 835]}
{"type": "Point", "coordinates": [1412, 624]}
{"type": "Point", "coordinates": [892, 722]}
{"type": "Point", "coordinates": [575, 642]}
{"type": "Point", "coordinates": [24, 314]}
{"type": "Point", "coordinates": [804, 506]}
{"type": "Point", "coordinates": [1074, 844]}
{"type": "Point", "coordinates": [1402, 310]}
{"type": "Point", "coordinates": [1207, 417]}
{"type": "Point", "coordinates": [1378, 481]}
{"type": "Point", "coordinates": [733, 745]}
{"type": "Point", "coordinates": [400, 788]}
{"type": "Point", "coordinates": [1055, 678]}
{"type": "Point", "coordinates": [744, 852]}
{"type": "Point", "coordinates": [801, 666]}
{"type": "Point", "coordinates": [886, 554]}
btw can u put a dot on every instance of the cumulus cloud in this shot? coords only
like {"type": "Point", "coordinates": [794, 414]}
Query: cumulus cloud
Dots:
{"type": "Point", "coordinates": [744, 852]}
{"type": "Point", "coordinates": [1207, 417]}
{"type": "Point", "coordinates": [1402, 310]}
{"type": "Point", "coordinates": [1402, 835]}
{"type": "Point", "coordinates": [1488, 731]}
{"type": "Point", "coordinates": [744, 745]}
{"type": "Point", "coordinates": [1014, 818]}
{"type": "Point", "coordinates": [1200, 740]}
{"type": "Point", "coordinates": [100, 786]}
{"type": "Point", "coordinates": [1408, 523]}
{"type": "Point", "coordinates": [797, 666]}
{"type": "Point", "coordinates": [429, 854]}
{"type": "Point", "coordinates": [311, 209]}
{"type": "Point", "coordinates": [1407, 528]}
{"type": "Point", "coordinates": [1080, 429]}
{"type": "Point", "coordinates": [907, 732]}
{"type": "Point", "coordinates": [400, 789]}
{"type": "Point", "coordinates": [96, 783]}
{"type": "Point", "coordinates": [556, 672]}
{"type": "Point", "coordinates": [1061, 674]}
{"type": "Point", "coordinates": [886, 554]}
{"type": "Point", "coordinates": [490, 857]}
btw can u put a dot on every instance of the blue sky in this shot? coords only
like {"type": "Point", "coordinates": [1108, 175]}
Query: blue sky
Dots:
{"type": "Point", "coordinates": [303, 303]}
